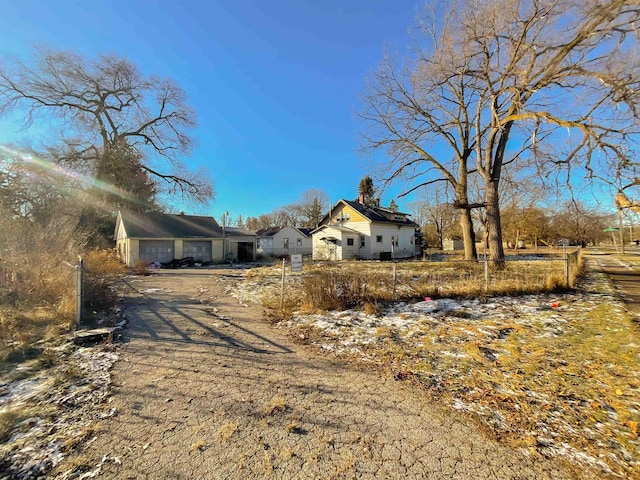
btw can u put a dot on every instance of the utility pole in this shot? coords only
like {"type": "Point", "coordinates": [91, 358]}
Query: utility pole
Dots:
{"type": "Point", "coordinates": [225, 216]}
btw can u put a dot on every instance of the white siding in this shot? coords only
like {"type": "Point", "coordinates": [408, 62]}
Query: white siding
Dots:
{"type": "Point", "coordinates": [342, 251]}
{"type": "Point", "coordinates": [405, 248]}
{"type": "Point", "coordinates": [323, 250]}
{"type": "Point", "coordinates": [293, 235]}
{"type": "Point", "coordinates": [363, 228]}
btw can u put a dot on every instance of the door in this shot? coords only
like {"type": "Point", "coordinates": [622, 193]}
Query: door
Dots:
{"type": "Point", "coordinates": [200, 250]}
{"type": "Point", "coordinates": [245, 252]}
{"type": "Point", "coordinates": [156, 251]}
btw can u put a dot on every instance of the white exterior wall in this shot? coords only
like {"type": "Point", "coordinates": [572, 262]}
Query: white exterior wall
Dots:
{"type": "Point", "coordinates": [371, 250]}
{"type": "Point", "coordinates": [274, 245]}
{"type": "Point", "coordinates": [322, 250]}
{"type": "Point", "coordinates": [405, 248]}
{"type": "Point", "coordinates": [363, 228]}
{"type": "Point", "coordinates": [293, 235]}
{"type": "Point", "coordinates": [265, 245]}
{"type": "Point", "coordinates": [349, 252]}
{"type": "Point", "coordinates": [449, 244]}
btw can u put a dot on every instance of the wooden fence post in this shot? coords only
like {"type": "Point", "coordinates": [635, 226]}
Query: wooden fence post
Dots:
{"type": "Point", "coordinates": [282, 287]}
{"type": "Point", "coordinates": [79, 302]}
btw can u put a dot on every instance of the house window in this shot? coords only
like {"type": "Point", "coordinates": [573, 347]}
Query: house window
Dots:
{"type": "Point", "coordinates": [361, 241]}
{"type": "Point", "coordinates": [394, 240]}
{"type": "Point", "coordinates": [299, 242]}
{"type": "Point", "coordinates": [350, 242]}
{"type": "Point", "coordinates": [285, 241]}
{"type": "Point", "coordinates": [378, 238]}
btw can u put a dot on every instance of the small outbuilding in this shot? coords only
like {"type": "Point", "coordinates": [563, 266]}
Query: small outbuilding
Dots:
{"type": "Point", "coordinates": [160, 237]}
{"type": "Point", "coordinates": [284, 241]}
{"type": "Point", "coordinates": [452, 244]}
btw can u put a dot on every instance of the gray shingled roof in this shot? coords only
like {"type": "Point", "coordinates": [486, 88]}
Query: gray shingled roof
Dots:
{"type": "Point", "coordinates": [268, 232]}
{"type": "Point", "coordinates": [374, 214]}
{"type": "Point", "coordinates": [163, 225]}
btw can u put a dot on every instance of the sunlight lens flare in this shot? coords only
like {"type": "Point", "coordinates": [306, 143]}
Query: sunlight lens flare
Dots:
{"type": "Point", "coordinates": [87, 183]}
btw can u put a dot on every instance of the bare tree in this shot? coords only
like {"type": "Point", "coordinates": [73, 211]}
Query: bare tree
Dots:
{"type": "Point", "coordinates": [580, 224]}
{"type": "Point", "coordinates": [311, 207]}
{"type": "Point", "coordinates": [33, 192]}
{"type": "Point", "coordinates": [104, 108]}
{"type": "Point", "coordinates": [261, 222]}
{"type": "Point", "coordinates": [436, 216]}
{"type": "Point", "coordinates": [493, 82]}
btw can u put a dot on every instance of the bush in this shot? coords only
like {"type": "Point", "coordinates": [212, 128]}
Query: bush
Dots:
{"type": "Point", "coordinates": [364, 284]}
{"type": "Point", "coordinates": [101, 269]}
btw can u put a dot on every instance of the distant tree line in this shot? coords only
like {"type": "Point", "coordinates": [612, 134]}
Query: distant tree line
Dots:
{"type": "Point", "coordinates": [306, 212]}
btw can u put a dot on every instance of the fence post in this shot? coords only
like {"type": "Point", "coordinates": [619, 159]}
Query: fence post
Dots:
{"type": "Point", "coordinates": [486, 274]}
{"type": "Point", "coordinates": [395, 277]}
{"type": "Point", "coordinates": [79, 302]}
{"type": "Point", "coordinates": [566, 269]}
{"type": "Point", "coordinates": [282, 287]}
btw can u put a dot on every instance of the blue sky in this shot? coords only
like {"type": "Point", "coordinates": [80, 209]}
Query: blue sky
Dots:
{"type": "Point", "coordinates": [275, 83]}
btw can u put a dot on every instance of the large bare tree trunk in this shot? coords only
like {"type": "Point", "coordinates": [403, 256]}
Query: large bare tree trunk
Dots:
{"type": "Point", "coordinates": [494, 228]}
{"type": "Point", "coordinates": [468, 235]}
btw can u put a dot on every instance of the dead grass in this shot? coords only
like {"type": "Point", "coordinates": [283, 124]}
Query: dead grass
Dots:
{"type": "Point", "coordinates": [227, 430]}
{"type": "Point", "coordinates": [199, 445]}
{"type": "Point", "coordinates": [9, 420]}
{"type": "Point", "coordinates": [276, 405]}
{"type": "Point", "coordinates": [364, 285]}
{"type": "Point", "coordinates": [101, 270]}
{"type": "Point", "coordinates": [563, 381]}
{"type": "Point", "coordinates": [39, 289]}
{"type": "Point", "coordinates": [141, 268]}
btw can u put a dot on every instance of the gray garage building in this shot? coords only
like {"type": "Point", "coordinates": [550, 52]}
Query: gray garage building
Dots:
{"type": "Point", "coordinates": [160, 237]}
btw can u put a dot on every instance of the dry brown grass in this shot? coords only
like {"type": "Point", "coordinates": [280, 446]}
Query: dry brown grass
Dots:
{"type": "Point", "coordinates": [276, 405]}
{"type": "Point", "coordinates": [199, 445]}
{"type": "Point", "coordinates": [39, 295]}
{"type": "Point", "coordinates": [559, 377]}
{"type": "Point", "coordinates": [141, 268]}
{"type": "Point", "coordinates": [8, 421]}
{"type": "Point", "coordinates": [227, 430]}
{"type": "Point", "coordinates": [364, 284]}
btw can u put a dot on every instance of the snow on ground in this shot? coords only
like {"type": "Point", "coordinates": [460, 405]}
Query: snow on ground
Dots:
{"type": "Point", "coordinates": [501, 359]}
{"type": "Point", "coordinates": [440, 338]}
{"type": "Point", "coordinates": [54, 408]}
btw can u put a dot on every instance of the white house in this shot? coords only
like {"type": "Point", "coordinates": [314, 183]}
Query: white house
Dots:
{"type": "Point", "coordinates": [353, 230]}
{"type": "Point", "coordinates": [160, 237]}
{"type": "Point", "coordinates": [282, 241]}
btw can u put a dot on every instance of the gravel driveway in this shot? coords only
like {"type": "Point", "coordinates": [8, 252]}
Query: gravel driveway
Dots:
{"type": "Point", "coordinates": [205, 388]}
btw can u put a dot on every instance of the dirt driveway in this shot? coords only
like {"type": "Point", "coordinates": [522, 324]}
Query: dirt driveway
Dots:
{"type": "Point", "coordinates": [206, 388]}
{"type": "Point", "coordinates": [624, 273]}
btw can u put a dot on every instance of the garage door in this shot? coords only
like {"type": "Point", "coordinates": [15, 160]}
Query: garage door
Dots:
{"type": "Point", "coordinates": [198, 249]}
{"type": "Point", "coordinates": [156, 250]}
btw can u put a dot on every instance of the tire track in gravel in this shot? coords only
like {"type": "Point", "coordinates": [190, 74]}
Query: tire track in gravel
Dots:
{"type": "Point", "coordinates": [206, 388]}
